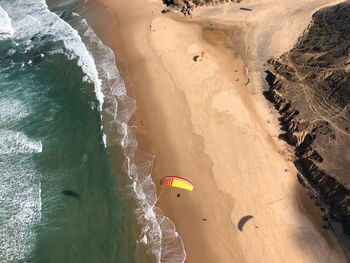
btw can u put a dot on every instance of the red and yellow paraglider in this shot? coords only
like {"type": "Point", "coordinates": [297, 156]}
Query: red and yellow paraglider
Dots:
{"type": "Point", "coordinates": [176, 181]}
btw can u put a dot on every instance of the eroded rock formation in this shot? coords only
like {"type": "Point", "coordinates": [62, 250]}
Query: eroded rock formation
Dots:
{"type": "Point", "coordinates": [310, 87]}
{"type": "Point", "coordinates": [187, 6]}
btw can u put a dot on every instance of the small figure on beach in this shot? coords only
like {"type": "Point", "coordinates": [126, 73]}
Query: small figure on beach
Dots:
{"type": "Point", "coordinates": [178, 195]}
{"type": "Point", "coordinates": [211, 27]}
{"type": "Point", "coordinates": [204, 219]}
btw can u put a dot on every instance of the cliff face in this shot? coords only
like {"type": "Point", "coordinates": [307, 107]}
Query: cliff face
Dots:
{"type": "Point", "coordinates": [310, 87]}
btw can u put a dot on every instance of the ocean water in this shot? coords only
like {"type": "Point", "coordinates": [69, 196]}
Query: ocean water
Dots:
{"type": "Point", "coordinates": [73, 185]}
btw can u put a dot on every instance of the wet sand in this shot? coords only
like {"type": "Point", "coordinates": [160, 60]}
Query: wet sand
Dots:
{"type": "Point", "coordinates": [203, 121]}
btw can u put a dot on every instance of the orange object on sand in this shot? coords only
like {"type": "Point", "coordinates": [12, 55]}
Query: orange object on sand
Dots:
{"type": "Point", "coordinates": [202, 53]}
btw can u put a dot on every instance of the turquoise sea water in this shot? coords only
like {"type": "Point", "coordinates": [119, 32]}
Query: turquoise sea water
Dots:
{"type": "Point", "coordinates": [73, 187]}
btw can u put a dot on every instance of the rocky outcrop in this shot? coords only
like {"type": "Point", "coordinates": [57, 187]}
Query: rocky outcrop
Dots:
{"type": "Point", "coordinates": [187, 6]}
{"type": "Point", "coordinates": [310, 87]}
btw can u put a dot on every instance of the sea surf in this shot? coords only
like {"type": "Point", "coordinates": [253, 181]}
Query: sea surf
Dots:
{"type": "Point", "coordinates": [74, 186]}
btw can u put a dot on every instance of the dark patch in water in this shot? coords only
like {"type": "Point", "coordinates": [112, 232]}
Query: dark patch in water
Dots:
{"type": "Point", "coordinates": [37, 58]}
{"type": "Point", "coordinates": [71, 193]}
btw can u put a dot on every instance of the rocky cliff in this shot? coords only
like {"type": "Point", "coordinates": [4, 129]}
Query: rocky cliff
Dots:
{"type": "Point", "coordinates": [187, 6]}
{"type": "Point", "coordinates": [198, 2]}
{"type": "Point", "coordinates": [310, 87]}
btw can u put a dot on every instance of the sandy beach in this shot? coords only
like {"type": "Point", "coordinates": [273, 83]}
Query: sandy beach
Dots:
{"type": "Point", "coordinates": [208, 121]}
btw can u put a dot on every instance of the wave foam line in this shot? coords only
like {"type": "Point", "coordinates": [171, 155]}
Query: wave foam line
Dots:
{"type": "Point", "coordinates": [98, 63]}
{"type": "Point", "coordinates": [20, 193]}
{"type": "Point", "coordinates": [19, 209]}
{"type": "Point", "coordinates": [12, 110]}
{"type": "Point", "coordinates": [33, 18]}
{"type": "Point", "coordinates": [28, 21]}
{"type": "Point", "coordinates": [12, 142]}
{"type": "Point", "coordinates": [6, 29]}
{"type": "Point", "coordinates": [157, 231]}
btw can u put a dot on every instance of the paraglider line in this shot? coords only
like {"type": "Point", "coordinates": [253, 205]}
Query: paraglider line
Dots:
{"type": "Point", "coordinates": [160, 193]}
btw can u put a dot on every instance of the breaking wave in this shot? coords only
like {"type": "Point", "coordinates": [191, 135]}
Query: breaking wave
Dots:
{"type": "Point", "coordinates": [12, 110]}
{"type": "Point", "coordinates": [31, 23]}
{"type": "Point", "coordinates": [157, 231]}
{"type": "Point", "coordinates": [32, 20]}
{"type": "Point", "coordinates": [12, 142]}
{"type": "Point", "coordinates": [6, 29]}
{"type": "Point", "coordinates": [20, 206]}
{"type": "Point", "coordinates": [20, 197]}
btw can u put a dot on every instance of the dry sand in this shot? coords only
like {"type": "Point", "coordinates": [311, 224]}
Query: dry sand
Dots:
{"type": "Point", "coordinates": [202, 122]}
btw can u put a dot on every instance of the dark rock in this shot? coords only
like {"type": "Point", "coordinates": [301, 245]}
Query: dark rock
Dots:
{"type": "Point", "coordinates": [187, 6]}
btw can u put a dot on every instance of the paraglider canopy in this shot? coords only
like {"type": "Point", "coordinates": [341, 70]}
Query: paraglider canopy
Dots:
{"type": "Point", "coordinates": [176, 181]}
{"type": "Point", "coordinates": [243, 221]}
{"type": "Point", "coordinates": [195, 58]}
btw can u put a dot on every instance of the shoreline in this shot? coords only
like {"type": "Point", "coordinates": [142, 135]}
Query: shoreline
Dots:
{"type": "Point", "coordinates": [172, 124]}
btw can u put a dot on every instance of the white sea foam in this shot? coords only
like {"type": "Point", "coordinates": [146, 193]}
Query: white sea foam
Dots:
{"type": "Point", "coordinates": [11, 110]}
{"type": "Point", "coordinates": [6, 29]}
{"type": "Point", "coordinates": [98, 63]}
{"type": "Point", "coordinates": [20, 195]}
{"type": "Point", "coordinates": [32, 18]}
{"type": "Point", "coordinates": [12, 142]}
{"type": "Point", "coordinates": [20, 204]}
{"type": "Point", "coordinates": [143, 240]}
{"type": "Point", "coordinates": [157, 231]}
{"type": "Point", "coordinates": [11, 52]}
